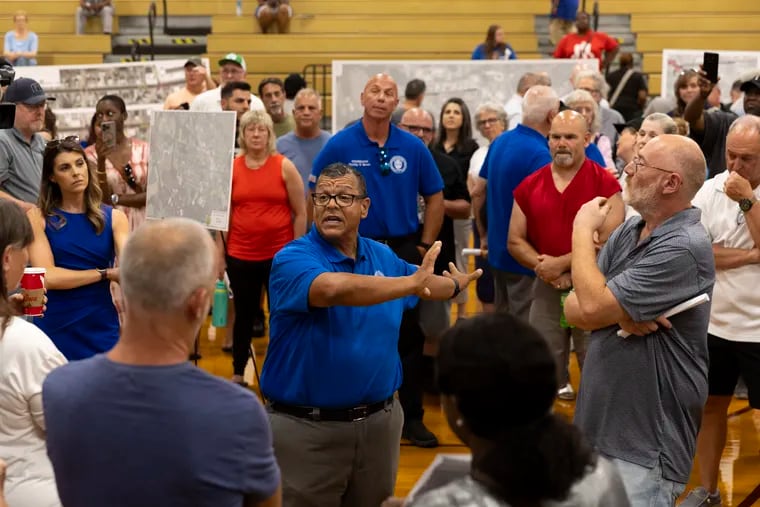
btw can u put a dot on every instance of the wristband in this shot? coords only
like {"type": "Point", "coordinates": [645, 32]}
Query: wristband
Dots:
{"type": "Point", "coordinates": [457, 288]}
{"type": "Point", "coordinates": [103, 274]}
{"type": "Point", "coordinates": [424, 245]}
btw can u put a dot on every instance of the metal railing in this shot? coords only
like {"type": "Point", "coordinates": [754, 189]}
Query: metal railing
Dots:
{"type": "Point", "coordinates": [152, 14]}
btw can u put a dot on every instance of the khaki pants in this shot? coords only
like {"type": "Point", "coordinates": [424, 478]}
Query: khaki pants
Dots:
{"type": "Point", "coordinates": [558, 28]}
{"type": "Point", "coordinates": [544, 316]}
{"type": "Point", "coordinates": [337, 464]}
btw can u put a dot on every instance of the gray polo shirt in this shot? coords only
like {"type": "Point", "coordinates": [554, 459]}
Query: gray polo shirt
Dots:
{"type": "Point", "coordinates": [20, 165]}
{"type": "Point", "coordinates": [641, 398]}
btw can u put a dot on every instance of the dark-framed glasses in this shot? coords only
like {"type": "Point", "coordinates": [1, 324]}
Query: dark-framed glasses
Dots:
{"type": "Point", "coordinates": [417, 128]}
{"type": "Point", "coordinates": [385, 165]}
{"type": "Point", "coordinates": [487, 121]}
{"type": "Point", "coordinates": [342, 200]}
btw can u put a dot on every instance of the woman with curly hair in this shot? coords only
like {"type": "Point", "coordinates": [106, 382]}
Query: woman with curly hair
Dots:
{"type": "Point", "coordinates": [498, 382]}
{"type": "Point", "coordinates": [76, 239]}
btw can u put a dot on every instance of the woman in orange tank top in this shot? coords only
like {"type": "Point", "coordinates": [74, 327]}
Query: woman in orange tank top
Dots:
{"type": "Point", "coordinates": [268, 210]}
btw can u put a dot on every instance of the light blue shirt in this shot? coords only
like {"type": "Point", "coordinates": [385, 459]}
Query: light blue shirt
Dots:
{"type": "Point", "coordinates": [28, 45]}
{"type": "Point", "coordinates": [302, 152]}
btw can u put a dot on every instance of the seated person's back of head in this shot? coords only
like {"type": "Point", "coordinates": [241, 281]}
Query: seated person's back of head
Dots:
{"type": "Point", "coordinates": [498, 383]}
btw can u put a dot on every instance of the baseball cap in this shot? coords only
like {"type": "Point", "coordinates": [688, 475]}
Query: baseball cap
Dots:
{"type": "Point", "coordinates": [195, 62]}
{"type": "Point", "coordinates": [635, 124]}
{"type": "Point", "coordinates": [233, 58]}
{"type": "Point", "coordinates": [26, 91]}
{"type": "Point", "coordinates": [750, 82]}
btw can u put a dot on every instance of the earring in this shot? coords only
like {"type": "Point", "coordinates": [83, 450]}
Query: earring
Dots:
{"type": "Point", "coordinates": [459, 422]}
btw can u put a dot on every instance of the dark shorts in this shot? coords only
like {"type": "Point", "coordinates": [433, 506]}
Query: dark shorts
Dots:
{"type": "Point", "coordinates": [728, 361]}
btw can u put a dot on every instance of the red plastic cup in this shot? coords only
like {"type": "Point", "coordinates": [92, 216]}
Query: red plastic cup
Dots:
{"type": "Point", "coordinates": [33, 285]}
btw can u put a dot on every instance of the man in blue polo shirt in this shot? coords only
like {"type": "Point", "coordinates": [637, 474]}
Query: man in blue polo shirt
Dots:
{"type": "Point", "coordinates": [512, 157]}
{"type": "Point", "coordinates": [332, 366]}
{"type": "Point", "coordinates": [397, 168]}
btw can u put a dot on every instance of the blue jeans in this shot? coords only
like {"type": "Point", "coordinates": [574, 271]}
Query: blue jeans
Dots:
{"type": "Point", "coordinates": [645, 486]}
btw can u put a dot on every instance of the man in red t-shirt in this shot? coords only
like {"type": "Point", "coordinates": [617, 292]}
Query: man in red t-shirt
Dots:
{"type": "Point", "coordinates": [587, 44]}
{"type": "Point", "coordinates": [541, 228]}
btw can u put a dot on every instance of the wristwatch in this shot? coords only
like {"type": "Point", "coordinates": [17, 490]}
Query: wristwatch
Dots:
{"type": "Point", "coordinates": [103, 274]}
{"type": "Point", "coordinates": [746, 204]}
{"type": "Point", "coordinates": [457, 288]}
{"type": "Point", "coordinates": [114, 199]}
{"type": "Point", "coordinates": [424, 245]}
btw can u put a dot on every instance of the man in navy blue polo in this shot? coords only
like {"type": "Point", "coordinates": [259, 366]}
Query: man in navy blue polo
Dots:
{"type": "Point", "coordinates": [397, 168]}
{"type": "Point", "coordinates": [332, 366]}
{"type": "Point", "coordinates": [512, 157]}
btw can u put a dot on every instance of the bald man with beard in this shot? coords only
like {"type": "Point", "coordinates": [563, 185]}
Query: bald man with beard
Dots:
{"type": "Point", "coordinates": [540, 232]}
{"type": "Point", "coordinates": [641, 398]}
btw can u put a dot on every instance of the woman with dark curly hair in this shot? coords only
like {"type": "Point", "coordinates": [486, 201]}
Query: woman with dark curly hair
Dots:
{"type": "Point", "coordinates": [76, 239]}
{"type": "Point", "coordinates": [498, 382]}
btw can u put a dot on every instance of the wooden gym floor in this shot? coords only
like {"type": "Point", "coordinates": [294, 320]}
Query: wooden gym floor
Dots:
{"type": "Point", "coordinates": [740, 466]}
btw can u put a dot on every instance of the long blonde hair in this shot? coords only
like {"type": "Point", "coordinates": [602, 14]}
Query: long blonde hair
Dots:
{"type": "Point", "coordinates": [50, 193]}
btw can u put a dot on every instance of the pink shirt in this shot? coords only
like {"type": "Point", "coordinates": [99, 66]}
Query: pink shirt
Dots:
{"type": "Point", "coordinates": [139, 164]}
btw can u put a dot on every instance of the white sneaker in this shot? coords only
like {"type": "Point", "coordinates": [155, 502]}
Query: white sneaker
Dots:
{"type": "Point", "coordinates": [566, 392]}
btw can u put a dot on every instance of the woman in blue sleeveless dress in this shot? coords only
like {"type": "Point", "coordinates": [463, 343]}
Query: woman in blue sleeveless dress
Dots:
{"type": "Point", "coordinates": [76, 238]}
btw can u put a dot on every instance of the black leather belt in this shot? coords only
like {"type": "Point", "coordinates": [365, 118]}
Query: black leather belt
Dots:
{"type": "Point", "coordinates": [332, 414]}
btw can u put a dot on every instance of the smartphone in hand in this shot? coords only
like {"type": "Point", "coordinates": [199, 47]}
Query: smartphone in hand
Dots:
{"type": "Point", "coordinates": [108, 133]}
{"type": "Point", "coordinates": [710, 66]}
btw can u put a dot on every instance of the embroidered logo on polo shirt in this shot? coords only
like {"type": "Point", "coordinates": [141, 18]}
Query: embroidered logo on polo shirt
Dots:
{"type": "Point", "coordinates": [398, 164]}
{"type": "Point", "coordinates": [379, 273]}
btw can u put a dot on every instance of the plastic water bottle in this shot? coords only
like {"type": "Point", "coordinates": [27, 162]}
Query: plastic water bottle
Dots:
{"type": "Point", "coordinates": [562, 320]}
{"type": "Point", "coordinates": [219, 313]}
{"type": "Point", "coordinates": [239, 8]}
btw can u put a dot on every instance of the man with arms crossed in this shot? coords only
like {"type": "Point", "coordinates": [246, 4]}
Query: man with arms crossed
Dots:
{"type": "Point", "coordinates": [641, 397]}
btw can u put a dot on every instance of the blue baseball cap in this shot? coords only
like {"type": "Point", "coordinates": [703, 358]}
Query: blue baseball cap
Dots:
{"type": "Point", "coordinates": [26, 91]}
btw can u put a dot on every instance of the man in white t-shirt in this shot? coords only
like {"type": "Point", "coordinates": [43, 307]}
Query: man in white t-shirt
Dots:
{"type": "Point", "coordinates": [513, 107]}
{"type": "Point", "coordinates": [231, 68]}
{"type": "Point", "coordinates": [731, 215]}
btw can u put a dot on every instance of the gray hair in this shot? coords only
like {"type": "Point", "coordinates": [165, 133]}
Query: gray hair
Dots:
{"type": "Point", "coordinates": [308, 92]}
{"type": "Point", "coordinates": [538, 102]}
{"type": "Point", "coordinates": [601, 84]}
{"type": "Point", "coordinates": [748, 122]}
{"type": "Point", "coordinates": [667, 124]}
{"type": "Point", "coordinates": [531, 79]}
{"type": "Point", "coordinates": [493, 108]}
{"type": "Point", "coordinates": [257, 118]}
{"type": "Point", "coordinates": [576, 97]}
{"type": "Point", "coordinates": [164, 262]}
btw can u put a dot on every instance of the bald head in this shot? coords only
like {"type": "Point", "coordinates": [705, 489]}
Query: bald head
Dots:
{"type": "Point", "coordinates": [164, 263]}
{"type": "Point", "coordinates": [379, 98]}
{"type": "Point", "coordinates": [567, 140]}
{"type": "Point", "coordinates": [570, 118]}
{"type": "Point", "coordinates": [418, 122]}
{"type": "Point", "coordinates": [682, 156]}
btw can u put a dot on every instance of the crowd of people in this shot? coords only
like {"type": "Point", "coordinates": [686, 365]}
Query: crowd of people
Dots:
{"type": "Point", "coordinates": [591, 222]}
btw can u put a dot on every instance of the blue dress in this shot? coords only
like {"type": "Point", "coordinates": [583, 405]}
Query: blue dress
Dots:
{"type": "Point", "coordinates": [83, 321]}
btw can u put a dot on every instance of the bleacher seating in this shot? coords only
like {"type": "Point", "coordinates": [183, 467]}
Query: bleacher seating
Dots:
{"type": "Point", "coordinates": [395, 29]}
